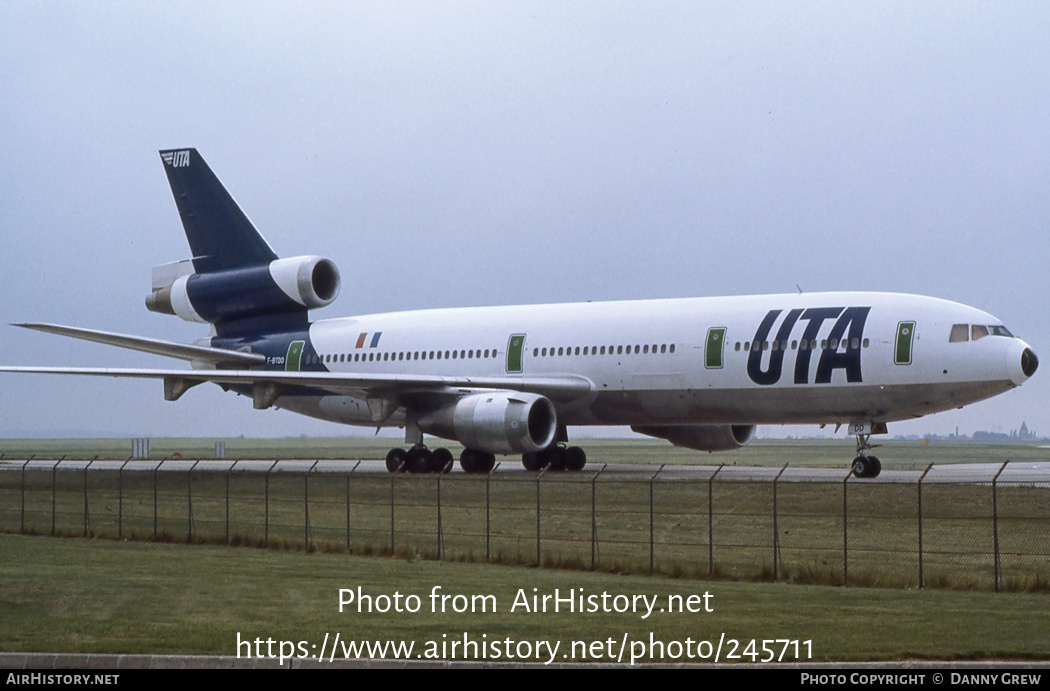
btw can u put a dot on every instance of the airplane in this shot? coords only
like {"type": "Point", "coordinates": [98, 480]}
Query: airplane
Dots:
{"type": "Point", "coordinates": [700, 373]}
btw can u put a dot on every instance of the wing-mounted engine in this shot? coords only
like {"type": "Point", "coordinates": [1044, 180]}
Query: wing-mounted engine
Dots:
{"type": "Point", "coordinates": [496, 422]}
{"type": "Point", "coordinates": [702, 437]}
{"type": "Point", "coordinates": [283, 286]}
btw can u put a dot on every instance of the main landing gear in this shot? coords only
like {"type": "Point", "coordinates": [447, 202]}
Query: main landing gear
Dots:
{"type": "Point", "coordinates": [419, 459]}
{"type": "Point", "coordinates": [865, 466]}
{"type": "Point", "coordinates": [556, 457]}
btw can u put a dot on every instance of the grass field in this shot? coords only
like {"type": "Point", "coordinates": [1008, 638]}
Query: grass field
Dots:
{"type": "Point", "coordinates": [823, 533]}
{"type": "Point", "coordinates": [75, 595]}
{"type": "Point", "coordinates": [109, 595]}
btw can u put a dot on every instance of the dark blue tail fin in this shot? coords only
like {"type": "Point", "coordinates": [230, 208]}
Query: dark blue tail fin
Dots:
{"type": "Point", "coordinates": [238, 283]}
{"type": "Point", "coordinates": [220, 235]}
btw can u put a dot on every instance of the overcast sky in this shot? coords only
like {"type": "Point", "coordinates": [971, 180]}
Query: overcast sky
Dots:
{"type": "Point", "coordinates": [448, 153]}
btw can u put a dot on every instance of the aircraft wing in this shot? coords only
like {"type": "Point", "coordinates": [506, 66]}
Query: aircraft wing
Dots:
{"type": "Point", "coordinates": [212, 356]}
{"type": "Point", "coordinates": [268, 385]}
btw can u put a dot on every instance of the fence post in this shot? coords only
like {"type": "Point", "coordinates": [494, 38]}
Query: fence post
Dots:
{"type": "Point", "coordinates": [995, 523]}
{"type": "Point", "coordinates": [155, 498]}
{"type": "Point", "coordinates": [87, 522]}
{"type": "Point", "coordinates": [189, 500]}
{"type": "Point", "coordinates": [921, 478]}
{"type": "Point", "coordinates": [229, 469]}
{"type": "Point", "coordinates": [539, 476]}
{"type": "Point", "coordinates": [711, 520]}
{"type": "Point", "coordinates": [652, 541]}
{"type": "Point", "coordinates": [348, 505]}
{"type": "Point", "coordinates": [266, 492]}
{"type": "Point", "coordinates": [392, 476]}
{"type": "Point", "coordinates": [845, 527]}
{"type": "Point", "coordinates": [488, 513]}
{"type": "Point", "coordinates": [439, 515]}
{"type": "Point", "coordinates": [306, 506]}
{"type": "Point", "coordinates": [594, 514]}
{"type": "Point", "coordinates": [54, 491]}
{"type": "Point", "coordinates": [22, 524]}
{"type": "Point", "coordinates": [120, 501]}
{"type": "Point", "coordinates": [776, 532]}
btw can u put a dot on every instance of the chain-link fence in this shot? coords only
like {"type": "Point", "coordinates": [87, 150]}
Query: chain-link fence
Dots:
{"type": "Point", "coordinates": [990, 530]}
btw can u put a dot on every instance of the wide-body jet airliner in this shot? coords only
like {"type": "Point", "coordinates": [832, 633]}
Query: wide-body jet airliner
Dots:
{"type": "Point", "coordinates": [698, 372]}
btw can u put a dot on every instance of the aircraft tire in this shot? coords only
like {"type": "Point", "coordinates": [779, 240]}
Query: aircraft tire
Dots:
{"type": "Point", "coordinates": [419, 459]}
{"type": "Point", "coordinates": [441, 461]}
{"type": "Point", "coordinates": [874, 466]}
{"type": "Point", "coordinates": [476, 461]}
{"type": "Point", "coordinates": [532, 461]}
{"type": "Point", "coordinates": [575, 458]}
{"type": "Point", "coordinates": [860, 467]}
{"type": "Point", "coordinates": [396, 460]}
{"type": "Point", "coordinates": [558, 457]}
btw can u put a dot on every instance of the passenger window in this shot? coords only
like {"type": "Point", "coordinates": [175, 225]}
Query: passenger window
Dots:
{"type": "Point", "coordinates": [979, 332]}
{"type": "Point", "coordinates": [960, 333]}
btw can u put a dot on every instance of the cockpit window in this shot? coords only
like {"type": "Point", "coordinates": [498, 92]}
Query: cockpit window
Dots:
{"type": "Point", "coordinates": [960, 333]}
{"type": "Point", "coordinates": [979, 332]}
{"type": "Point", "coordinates": [1000, 331]}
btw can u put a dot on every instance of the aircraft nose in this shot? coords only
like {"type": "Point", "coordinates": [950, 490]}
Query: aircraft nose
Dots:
{"type": "Point", "coordinates": [1029, 362]}
{"type": "Point", "coordinates": [1021, 362]}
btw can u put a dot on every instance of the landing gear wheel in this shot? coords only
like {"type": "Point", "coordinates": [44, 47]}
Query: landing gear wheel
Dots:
{"type": "Point", "coordinates": [575, 458]}
{"type": "Point", "coordinates": [441, 461]}
{"type": "Point", "coordinates": [476, 461]}
{"type": "Point", "coordinates": [419, 459]}
{"type": "Point", "coordinates": [558, 457]}
{"type": "Point", "coordinates": [533, 461]}
{"type": "Point", "coordinates": [396, 460]}
{"type": "Point", "coordinates": [865, 466]}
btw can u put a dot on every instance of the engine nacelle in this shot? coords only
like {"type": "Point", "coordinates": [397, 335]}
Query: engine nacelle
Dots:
{"type": "Point", "coordinates": [497, 422]}
{"type": "Point", "coordinates": [284, 285]}
{"type": "Point", "coordinates": [702, 437]}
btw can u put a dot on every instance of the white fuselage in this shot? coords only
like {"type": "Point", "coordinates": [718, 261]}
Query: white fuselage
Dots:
{"type": "Point", "coordinates": [774, 359]}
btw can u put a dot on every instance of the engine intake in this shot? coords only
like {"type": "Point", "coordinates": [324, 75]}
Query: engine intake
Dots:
{"type": "Point", "coordinates": [498, 422]}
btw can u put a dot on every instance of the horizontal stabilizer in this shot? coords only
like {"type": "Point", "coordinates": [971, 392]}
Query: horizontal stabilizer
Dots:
{"type": "Point", "coordinates": [216, 357]}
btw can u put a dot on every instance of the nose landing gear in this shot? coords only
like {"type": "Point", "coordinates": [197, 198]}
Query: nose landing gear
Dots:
{"type": "Point", "coordinates": [865, 466]}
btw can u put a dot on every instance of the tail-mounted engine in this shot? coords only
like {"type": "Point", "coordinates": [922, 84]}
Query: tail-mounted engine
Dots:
{"type": "Point", "coordinates": [284, 286]}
